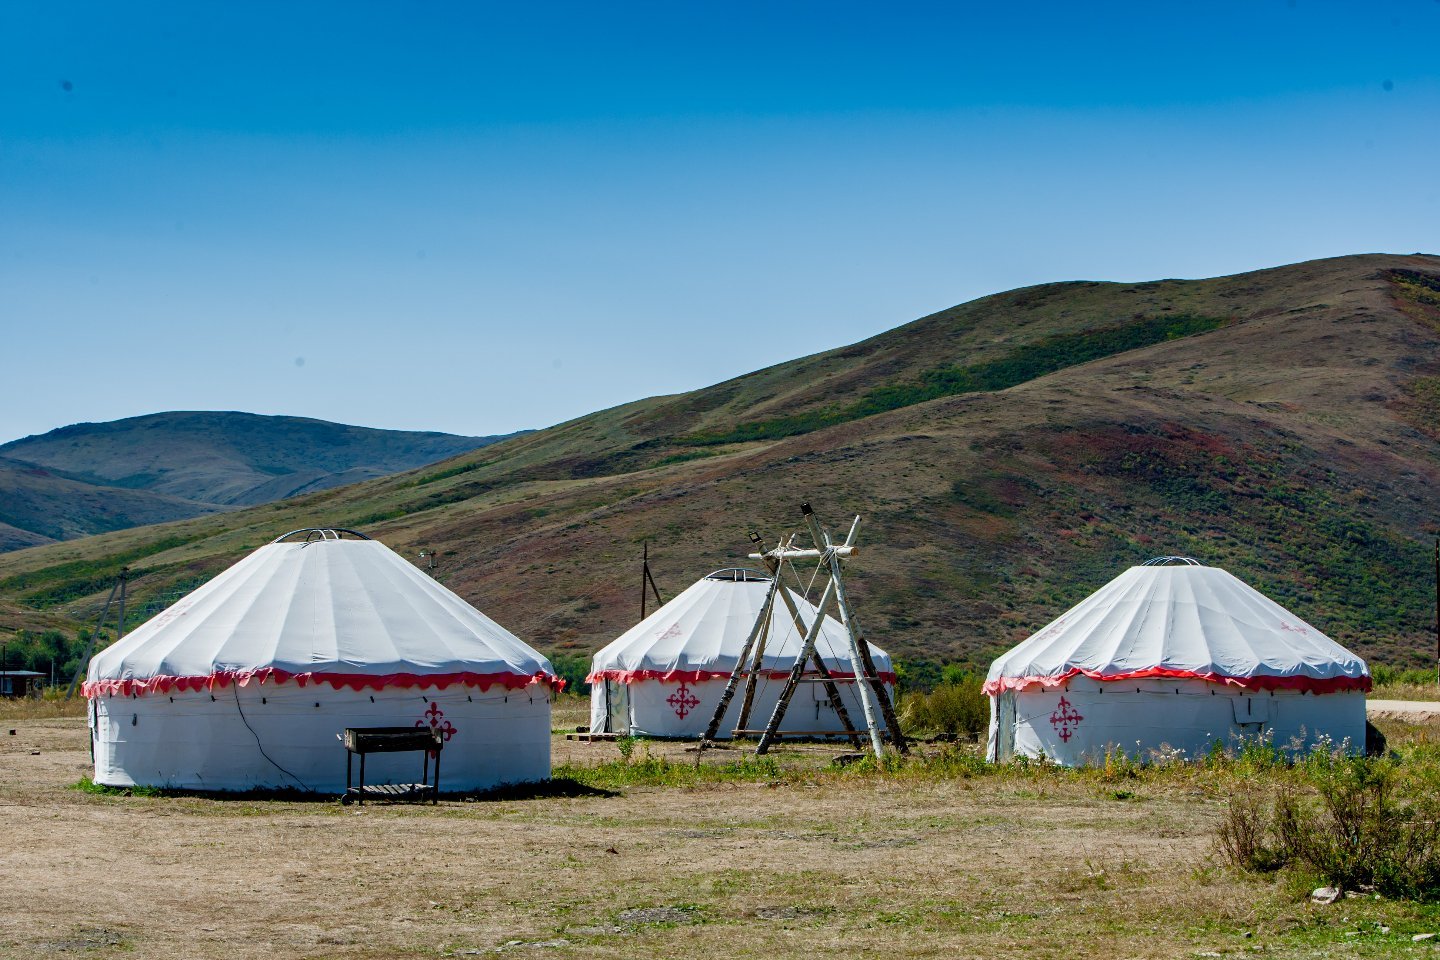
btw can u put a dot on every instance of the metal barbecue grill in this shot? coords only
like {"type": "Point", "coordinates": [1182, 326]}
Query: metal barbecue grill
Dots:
{"type": "Point", "coordinates": [365, 740]}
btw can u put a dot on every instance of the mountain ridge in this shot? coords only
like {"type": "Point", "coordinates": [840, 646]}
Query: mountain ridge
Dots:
{"type": "Point", "coordinates": [1293, 443]}
{"type": "Point", "coordinates": [89, 478]}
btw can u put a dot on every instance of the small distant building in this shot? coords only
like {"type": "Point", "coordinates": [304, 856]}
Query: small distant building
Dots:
{"type": "Point", "coordinates": [20, 683]}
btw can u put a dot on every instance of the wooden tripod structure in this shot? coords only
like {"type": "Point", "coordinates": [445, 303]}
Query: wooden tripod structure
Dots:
{"type": "Point", "coordinates": [874, 700]}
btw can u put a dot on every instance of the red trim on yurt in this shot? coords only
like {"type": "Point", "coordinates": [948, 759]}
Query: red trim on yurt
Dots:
{"type": "Point", "coordinates": [1311, 684]}
{"type": "Point", "coordinates": [696, 676]}
{"type": "Point", "coordinates": [354, 681]}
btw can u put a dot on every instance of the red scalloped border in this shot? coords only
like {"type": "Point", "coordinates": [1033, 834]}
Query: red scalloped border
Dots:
{"type": "Point", "coordinates": [1312, 684]}
{"type": "Point", "coordinates": [698, 676]}
{"type": "Point", "coordinates": [353, 681]}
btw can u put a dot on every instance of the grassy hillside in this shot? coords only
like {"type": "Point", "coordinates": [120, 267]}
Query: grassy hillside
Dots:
{"type": "Point", "coordinates": [1009, 455]}
{"type": "Point", "coordinates": [43, 505]}
{"type": "Point", "coordinates": [96, 477]}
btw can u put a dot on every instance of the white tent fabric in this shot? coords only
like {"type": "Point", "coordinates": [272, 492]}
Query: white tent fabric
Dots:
{"type": "Point", "coordinates": [1186, 621]}
{"type": "Point", "coordinates": [248, 681]}
{"type": "Point", "coordinates": [1173, 658]}
{"type": "Point", "coordinates": [348, 612]}
{"type": "Point", "coordinates": [664, 676]}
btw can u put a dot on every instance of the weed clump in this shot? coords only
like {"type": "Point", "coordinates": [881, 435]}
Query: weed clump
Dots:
{"type": "Point", "coordinates": [1359, 823]}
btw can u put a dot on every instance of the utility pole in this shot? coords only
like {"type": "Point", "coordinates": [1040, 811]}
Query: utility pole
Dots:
{"type": "Point", "coordinates": [118, 588]}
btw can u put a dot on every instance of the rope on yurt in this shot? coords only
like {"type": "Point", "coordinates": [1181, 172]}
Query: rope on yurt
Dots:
{"type": "Point", "coordinates": [235, 688]}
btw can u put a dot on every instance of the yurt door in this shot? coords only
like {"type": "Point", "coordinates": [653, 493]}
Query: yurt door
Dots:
{"type": "Point", "coordinates": [617, 699]}
{"type": "Point", "coordinates": [1251, 714]}
{"type": "Point", "coordinates": [1005, 727]}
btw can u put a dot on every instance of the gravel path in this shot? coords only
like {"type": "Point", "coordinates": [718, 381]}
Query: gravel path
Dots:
{"type": "Point", "coordinates": [1413, 711]}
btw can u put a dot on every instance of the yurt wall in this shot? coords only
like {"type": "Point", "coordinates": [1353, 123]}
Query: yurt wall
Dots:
{"type": "Point", "coordinates": [1077, 723]}
{"type": "Point", "coordinates": [673, 708]}
{"type": "Point", "coordinates": [284, 735]}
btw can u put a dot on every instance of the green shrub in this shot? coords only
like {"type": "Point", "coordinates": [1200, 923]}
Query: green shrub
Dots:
{"type": "Point", "coordinates": [1356, 822]}
{"type": "Point", "coordinates": [573, 668]}
{"type": "Point", "coordinates": [955, 706]}
{"type": "Point", "coordinates": [1398, 676]}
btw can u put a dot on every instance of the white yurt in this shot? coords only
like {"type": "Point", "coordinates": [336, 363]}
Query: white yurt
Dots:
{"type": "Point", "coordinates": [249, 681]}
{"type": "Point", "coordinates": [664, 676]}
{"type": "Point", "coordinates": [1173, 656]}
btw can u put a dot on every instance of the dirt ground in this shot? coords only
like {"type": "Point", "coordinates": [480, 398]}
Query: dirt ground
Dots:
{"type": "Point", "coordinates": [935, 869]}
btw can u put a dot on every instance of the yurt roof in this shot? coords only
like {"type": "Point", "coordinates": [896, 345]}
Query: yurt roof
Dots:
{"type": "Point", "coordinates": [1185, 621]}
{"type": "Point", "coordinates": [701, 634]}
{"type": "Point", "coordinates": [348, 612]}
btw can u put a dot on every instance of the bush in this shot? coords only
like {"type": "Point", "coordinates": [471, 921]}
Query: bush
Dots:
{"type": "Point", "coordinates": [573, 668]}
{"type": "Point", "coordinates": [1401, 676]}
{"type": "Point", "coordinates": [955, 706]}
{"type": "Point", "coordinates": [1358, 823]}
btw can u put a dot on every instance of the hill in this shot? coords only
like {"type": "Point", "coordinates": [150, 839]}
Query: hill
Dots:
{"type": "Point", "coordinates": [1009, 455]}
{"type": "Point", "coordinates": [97, 477]}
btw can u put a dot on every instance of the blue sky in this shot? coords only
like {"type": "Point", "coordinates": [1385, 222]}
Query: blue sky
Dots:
{"type": "Point", "coordinates": [478, 218]}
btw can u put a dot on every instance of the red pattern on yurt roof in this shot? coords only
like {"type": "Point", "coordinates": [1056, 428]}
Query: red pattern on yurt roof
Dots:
{"type": "Point", "coordinates": [1310, 684]}
{"type": "Point", "coordinates": [353, 681]}
{"type": "Point", "coordinates": [698, 676]}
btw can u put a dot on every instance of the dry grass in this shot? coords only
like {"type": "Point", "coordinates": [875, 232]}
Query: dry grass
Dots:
{"type": "Point", "coordinates": [30, 708]}
{"type": "Point", "coordinates": [1044, 863]}
{"type": "Point", "coordinates": [1406, 691]}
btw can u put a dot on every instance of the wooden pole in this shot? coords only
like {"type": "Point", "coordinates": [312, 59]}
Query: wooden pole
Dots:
{"type": "Point", "coordinates": [755, 660]}
{"type": "Point", "coordinates": [762, 623]}
{"type": "Point", "coordinates": [776, 566]}
{"type": "Point", "coordinates": [120, 622]}
{"type": "Point", "coordinates": [1437, 612]}
{"type": "Point", "coordinates": [90, 647]}
{"type": "Point", "coordinates": [792, 681]}
{"type": "Point", "coordinates": [647, 580]}
{"type": "Point", "coordinates": [644, 575]}
{"type": "Point", "coordinates": [860, 647]}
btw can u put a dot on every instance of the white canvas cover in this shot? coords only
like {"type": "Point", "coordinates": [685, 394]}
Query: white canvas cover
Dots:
{"type": "Point", "coordinates": [1171, 660]}
{"type": "Point", "coordinates": [248, 681]}
{"type": "Point", "coordinates": [350, 613]}
{"type": "Point", "coordinates": [1187, 621]}
{"type": "Point", "coordinates": [701, 633]}
{"type": "Point", "coordinates": [664, 676]}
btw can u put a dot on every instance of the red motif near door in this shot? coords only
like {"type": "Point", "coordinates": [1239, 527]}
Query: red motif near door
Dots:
{"type": "Point", "coordinates": [435, 720]}
{"type": "Point", "coordinates": [683, 701]}
{"type": "Point", "coordinates": [1065, 719]}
